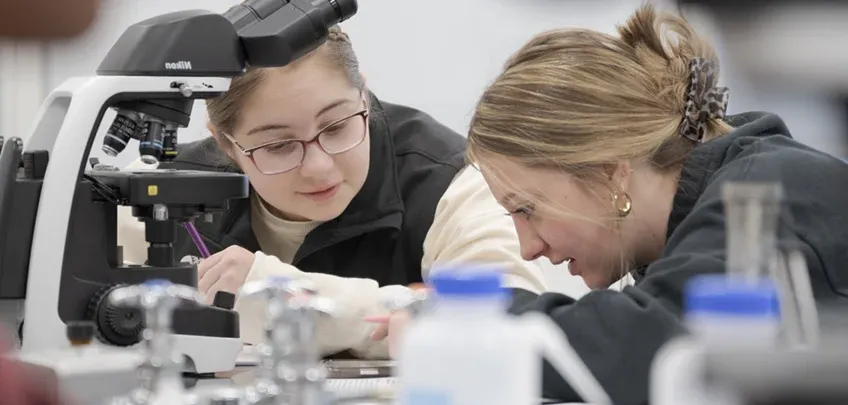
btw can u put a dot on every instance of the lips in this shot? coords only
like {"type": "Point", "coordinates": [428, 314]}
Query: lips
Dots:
{"type": "Point", "coordinates": [557, 262]}
{"type": "Point", "coordinates": [320, 190]}
{"type": "Point", "coordinates": [321, 194]}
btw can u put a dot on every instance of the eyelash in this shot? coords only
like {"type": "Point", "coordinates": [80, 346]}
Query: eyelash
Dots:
{"type": "Point", "coordinates": [526, 211]}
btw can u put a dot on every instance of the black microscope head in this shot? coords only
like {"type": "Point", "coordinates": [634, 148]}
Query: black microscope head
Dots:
{"type": "Point", "coordinates": [259, 33]}
{"type": "Point", "coordinates": [198, 43]}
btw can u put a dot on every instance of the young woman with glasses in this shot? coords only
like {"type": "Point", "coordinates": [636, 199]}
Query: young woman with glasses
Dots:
{"type": "Point", "coordinates": [360, 196]}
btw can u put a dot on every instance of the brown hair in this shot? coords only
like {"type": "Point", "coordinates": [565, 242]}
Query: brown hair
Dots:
{"type": "Point", "coordinates": [224, 111]}
{"type": "Point", "coordinates": [582, 100]}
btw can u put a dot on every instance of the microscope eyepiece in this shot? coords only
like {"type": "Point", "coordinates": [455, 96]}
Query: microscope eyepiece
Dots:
{"type": "Point", "coordinates": [344, 8]}
{"type": "Point", "coordinates": [251, 11]}
{"type": "Point", "coordinates": [274, 33]}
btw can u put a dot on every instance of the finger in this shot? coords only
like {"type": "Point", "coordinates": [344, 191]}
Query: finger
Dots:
{"type": "Point", "coordinates": [417, 286]}
{"type": "Point", "coordinates": [396, 329]}
{"type": "Point", "coordinates": [209, 263]}
{"type": "Point", "coordinates": [210, 277]}
{"type": "Point", "coordinates": [381, 332]}
{"type": "Point", "coordinates": [377, 318]}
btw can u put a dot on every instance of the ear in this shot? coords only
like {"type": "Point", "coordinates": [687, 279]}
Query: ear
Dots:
{"type": "Point", "coordinates": [619, 174]}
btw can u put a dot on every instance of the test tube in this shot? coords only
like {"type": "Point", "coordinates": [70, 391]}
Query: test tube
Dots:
{"type": "Point", "coordinates": [752, 212]}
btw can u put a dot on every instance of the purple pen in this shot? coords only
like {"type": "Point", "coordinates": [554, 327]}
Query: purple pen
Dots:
{"type": "Point", "coordinates": [198, 241]}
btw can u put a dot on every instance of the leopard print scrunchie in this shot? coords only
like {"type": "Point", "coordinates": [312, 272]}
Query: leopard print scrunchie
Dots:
{"type": "Point", "coordinates": [703, 100]}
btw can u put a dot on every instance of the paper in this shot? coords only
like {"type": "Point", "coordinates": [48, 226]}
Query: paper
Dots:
{"type": "Point", "coordinates": [348, 385]}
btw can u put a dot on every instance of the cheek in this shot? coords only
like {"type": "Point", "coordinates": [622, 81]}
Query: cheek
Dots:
{"type": "Point", "coordinates": [573, 236]}
{"type": "Point", "coordinates": [559, 234]}
{"type": "Point", "coordinates": [273, 189]}
{"type": "Point", "coordinates": [354, 163]}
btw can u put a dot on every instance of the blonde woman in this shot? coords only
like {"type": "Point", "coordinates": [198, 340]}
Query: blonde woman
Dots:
{"type": "Point", "coordinates": [610, 152]}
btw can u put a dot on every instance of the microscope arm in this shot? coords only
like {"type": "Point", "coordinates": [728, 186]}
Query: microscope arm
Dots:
{"type": "Point", "coordinates": [78, 103]}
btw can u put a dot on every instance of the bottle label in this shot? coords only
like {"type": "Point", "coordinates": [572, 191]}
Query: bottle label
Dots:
{"type": "Point", "coordinates": [424, 397]}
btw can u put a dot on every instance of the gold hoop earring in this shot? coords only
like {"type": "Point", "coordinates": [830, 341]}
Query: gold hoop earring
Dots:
{"type": "Point", "coordinates": [622, 204]}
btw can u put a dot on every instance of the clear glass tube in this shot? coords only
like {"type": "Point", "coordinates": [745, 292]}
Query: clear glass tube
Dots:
{"type": "Point", "coordinates": [752, 213]}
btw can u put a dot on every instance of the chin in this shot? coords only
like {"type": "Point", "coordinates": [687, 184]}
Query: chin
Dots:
{"type": "Point", "coordinates": [595, 284]}
{"type": "Point", "coordinates": [326, 211]}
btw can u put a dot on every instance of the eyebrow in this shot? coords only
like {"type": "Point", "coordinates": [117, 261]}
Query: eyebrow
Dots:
{"type": "Point", "coordinates": [507, 199]}
{"type": "Point", "coordinates": [327, 108]}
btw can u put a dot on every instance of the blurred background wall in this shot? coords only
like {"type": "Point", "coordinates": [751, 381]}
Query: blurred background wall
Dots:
{"type": "Point", "coordinates": [436, 56]}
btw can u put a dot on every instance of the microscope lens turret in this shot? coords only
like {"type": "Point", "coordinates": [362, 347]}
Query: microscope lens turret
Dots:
{"type": "Point", "coordinates": [125, 127]}
{"type": "Point", "coordinates": [153, 137]}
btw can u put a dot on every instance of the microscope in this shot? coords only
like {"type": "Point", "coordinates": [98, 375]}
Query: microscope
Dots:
{"type": "Point", "coordinates": [59, 248]}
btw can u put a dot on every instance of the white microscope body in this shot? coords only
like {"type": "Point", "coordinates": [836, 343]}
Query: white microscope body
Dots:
{"type": "Point", "coordinates": [66, 126]}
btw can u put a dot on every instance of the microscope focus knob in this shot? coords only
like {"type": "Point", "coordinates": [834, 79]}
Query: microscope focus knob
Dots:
{"type": "Point", "coordinates": [114, 324]}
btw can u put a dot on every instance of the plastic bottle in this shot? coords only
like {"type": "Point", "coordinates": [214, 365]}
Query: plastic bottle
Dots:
{"type": "Point", "coordinates": [466, 350]}
{"type": "Point", "coordinates": [727, 311]}
{"type": "Point", "coordinates": [721, 311]}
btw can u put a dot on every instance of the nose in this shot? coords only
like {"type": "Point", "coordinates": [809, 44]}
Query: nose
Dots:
{"type": "Point", "coordinates": [316, 162]}
{"type": "Point", "coordinates": [532, 246]}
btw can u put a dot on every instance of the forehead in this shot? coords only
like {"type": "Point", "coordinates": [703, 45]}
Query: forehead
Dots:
{"type": "Point", "coordinates": [506, 178]}
{"type": "Point", "coordinates": [510, 181]}
{"type": "Point", "coordinates": [294, 94]}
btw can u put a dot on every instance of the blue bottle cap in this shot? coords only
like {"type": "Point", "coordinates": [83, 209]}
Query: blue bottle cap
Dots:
{"type": "Point", "coordinates": [720, 294]}
{"type": "Point", "coordinates": [463, 281]}
{"type": "Point", "coordinates": [157, 282]}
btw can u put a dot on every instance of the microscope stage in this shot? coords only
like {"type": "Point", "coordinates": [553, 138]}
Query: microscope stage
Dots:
{"type": "Point", "coordinates": [173, 187]}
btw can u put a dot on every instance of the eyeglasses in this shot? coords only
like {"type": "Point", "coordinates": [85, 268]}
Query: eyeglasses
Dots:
{"type": "Point", "coordinates": [284, 155]}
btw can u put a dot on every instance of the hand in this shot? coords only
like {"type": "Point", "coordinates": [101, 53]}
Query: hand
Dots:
{"type": "Point", "coordinates": [224, 271]}
{"type": "Point", "coordinates": [390, 326]}
{"type": "Point", "coordinates": [393, 324]}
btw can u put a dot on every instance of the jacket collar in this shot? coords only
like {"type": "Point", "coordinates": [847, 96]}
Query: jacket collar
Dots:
{"type": "Point", "coordinates": [707, 158]}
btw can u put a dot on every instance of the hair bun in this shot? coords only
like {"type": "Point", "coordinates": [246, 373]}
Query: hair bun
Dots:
{"type": "Point", "coordinates": [642, 30]}
{"type": "Point", "coordinates": [336, 34]}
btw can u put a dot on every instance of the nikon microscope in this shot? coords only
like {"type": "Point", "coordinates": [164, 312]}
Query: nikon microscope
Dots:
{"type": "Point", "coordinates": [59, 245]}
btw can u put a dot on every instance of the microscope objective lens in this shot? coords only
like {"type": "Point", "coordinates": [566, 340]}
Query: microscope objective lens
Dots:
{"type": "Point", "coordinates": [150, 147]}
{"type": "Point", "coordinates": [123, 128]}
{"type": "Point", "coordinates": [169, 144]}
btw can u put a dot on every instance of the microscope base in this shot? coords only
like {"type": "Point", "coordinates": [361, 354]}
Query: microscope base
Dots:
{"type": "Point", "coordinates": [206, 354]}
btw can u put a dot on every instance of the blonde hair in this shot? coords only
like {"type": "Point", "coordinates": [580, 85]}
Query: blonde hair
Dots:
{"type": "Point", "coordinates": [224, 111]}
{"type": "Point", "coordinates": [581, 100]}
